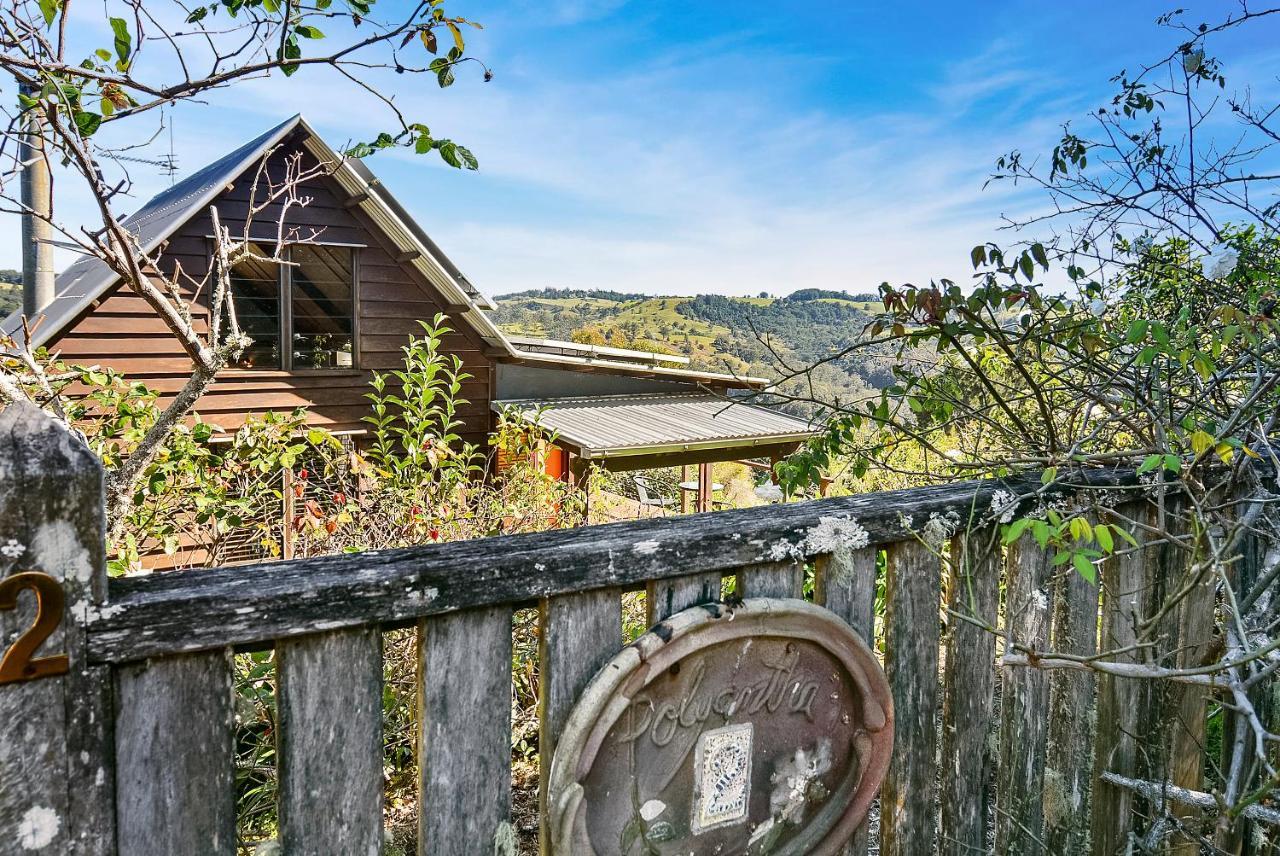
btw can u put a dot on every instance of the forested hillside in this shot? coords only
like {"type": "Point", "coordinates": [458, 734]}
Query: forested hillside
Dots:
{"type": "Point", "coordinates": [764, 336]}
{"type": "Point", "coordinates": [10, 291]}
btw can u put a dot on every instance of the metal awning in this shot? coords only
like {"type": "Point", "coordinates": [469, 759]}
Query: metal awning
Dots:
{"type": "Point", "coordinates": [615, 426]}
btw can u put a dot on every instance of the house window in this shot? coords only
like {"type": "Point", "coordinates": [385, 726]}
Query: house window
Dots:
{"type": "Point", "coordinates": [301, 315]}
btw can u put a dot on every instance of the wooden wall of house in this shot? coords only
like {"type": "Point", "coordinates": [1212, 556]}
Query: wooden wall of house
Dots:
{"type": "Point", "coordinates": [122, 332]}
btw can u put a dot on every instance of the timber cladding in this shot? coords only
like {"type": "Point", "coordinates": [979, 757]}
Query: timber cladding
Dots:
{"type": "Point", "coordinates": [121, 331]}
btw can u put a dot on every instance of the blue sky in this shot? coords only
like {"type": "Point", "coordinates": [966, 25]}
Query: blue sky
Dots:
{"type": "Point", "coordinates": [677, 147]}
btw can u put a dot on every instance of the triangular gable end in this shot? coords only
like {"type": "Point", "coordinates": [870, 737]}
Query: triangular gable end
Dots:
{"type": "Point", "coordinates": [88, 279]}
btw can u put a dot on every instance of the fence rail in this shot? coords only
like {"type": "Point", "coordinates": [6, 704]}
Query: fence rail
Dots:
{"type": "Point", "coordinates": [131, 751]}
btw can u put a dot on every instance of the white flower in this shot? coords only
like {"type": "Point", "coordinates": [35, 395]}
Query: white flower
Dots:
{"type": "Point", "coordinates": [769, 492]}
{"type": "Point", "coordinates": [11, 549]}
{"type": "Point", "coordinates": [1223, 265]}
{"type": "Point", "coordinates": [1098, 307]}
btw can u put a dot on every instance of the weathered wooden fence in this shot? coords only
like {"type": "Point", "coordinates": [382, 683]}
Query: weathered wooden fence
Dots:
{"type": "Point", "coordinates": [130, 751]}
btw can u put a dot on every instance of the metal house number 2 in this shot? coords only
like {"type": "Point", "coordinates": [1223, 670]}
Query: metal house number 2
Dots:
{"type": "Point", "coordinates": [17, 664]}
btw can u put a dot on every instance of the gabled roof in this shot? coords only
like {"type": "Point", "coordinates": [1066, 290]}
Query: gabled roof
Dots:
{"type": "Point", "coordinates": [617, 426]}
{"type": "Point", "coordinates": [88, 279]}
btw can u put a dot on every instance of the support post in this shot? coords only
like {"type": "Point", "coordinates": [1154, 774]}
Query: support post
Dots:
{"type": "Point", "coordinates": [704, 487]}
{"type": "Point", "coordinates": [56, 765]}
{"type": "Point", "coordinates": [37, 203]}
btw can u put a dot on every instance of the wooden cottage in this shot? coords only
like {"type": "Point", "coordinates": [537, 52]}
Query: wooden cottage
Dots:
{"type": "Point", "coordinates": [363, 273]}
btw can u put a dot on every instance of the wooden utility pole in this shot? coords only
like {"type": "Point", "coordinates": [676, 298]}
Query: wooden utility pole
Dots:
{"type": "Point", "coordinates": [37, 229]}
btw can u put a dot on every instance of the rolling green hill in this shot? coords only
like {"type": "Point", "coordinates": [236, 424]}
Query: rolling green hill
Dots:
{"type": "Point", "coordinates": [762, 336]}
{"type": "Point", "coordinates": [10, 291]}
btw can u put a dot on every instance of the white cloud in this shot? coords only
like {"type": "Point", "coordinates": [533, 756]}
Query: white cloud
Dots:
{"type": "Point", "coordinates": [713, 167]}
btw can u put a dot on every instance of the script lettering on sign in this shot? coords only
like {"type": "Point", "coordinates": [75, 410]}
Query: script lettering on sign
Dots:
{"type": "Point", "coordinates": [762, 728]}
{"type": "Point", "coordinates": [776, 691]}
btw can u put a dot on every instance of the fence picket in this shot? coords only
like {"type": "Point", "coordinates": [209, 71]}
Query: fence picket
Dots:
{"type": "Point", "coordinates": [1069, 756]}
{"type": "Point", "coordinates": [580, 633]}
{"type": "Point", "coordinates": [664, 598]}
{"type": "Point", "coordinates": [845, 583]}
{"type": "Point", "coordinates": [913, 594]}
{"type": "Point", "coordinates": [464, 746]}
{"type": "Point", "coordinates": [772, 579]}
{"type": "Point", "coordinates": [1024, 700]}
{"type": "Point", "coordinates": [1190, 704]}
{"type": "Point", "coordinates": [57, 741]}
{"type": "Point", "coordinates": [174, 774]}
{"type": "Point", "coordinates": [330, 742]}
{"type": "Point", "coordinates": [973, 591]}
{"type": "Point", "coordinates": [1119, 699]}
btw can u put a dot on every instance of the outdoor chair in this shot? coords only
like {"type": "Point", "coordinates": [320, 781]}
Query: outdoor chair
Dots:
{"type": "Point", "coordinates": [650, 497]}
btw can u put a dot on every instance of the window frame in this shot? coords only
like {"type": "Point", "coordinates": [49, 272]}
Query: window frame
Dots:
{"type": "Point", "coordinates": [284, 290]}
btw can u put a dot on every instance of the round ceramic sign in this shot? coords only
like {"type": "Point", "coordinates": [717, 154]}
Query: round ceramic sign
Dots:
{"type": "Point", "coordinates": [759, 728]}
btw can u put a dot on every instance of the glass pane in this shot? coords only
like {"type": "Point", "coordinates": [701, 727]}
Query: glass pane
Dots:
{"type": "Point", "coordinates": [322, 307]}
{"type": "Point", "coordinates": [256, 292]}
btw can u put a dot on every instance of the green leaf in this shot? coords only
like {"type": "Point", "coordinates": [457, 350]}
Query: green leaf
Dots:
{"type": "Point", "coordinates": [308, 32]}
{"type": "Point", "coordinates": [1150, 463]}
{"type": "Point", "coordinates": [449, 152]}
{"type": "Point", "coordinates": [197, 15]}
{"type": "Point", "coordinates": [1173, 463]}
{"type": "Point", "coordinates": [123, 41]}
{"type": "Point", "coordinates": [1015, 530]}
{"type": "Point", "coordinates": [468, 160]}
{"type": "Point", "coordinates": [50, 9]}
{"type": "Point", "coordinates": [1049, 475]}
{"type": "Point", "coordinates": [1102, 533]}
{"type": "Point", "coordinates": [1086, 568]}
{"type": "Point", "coordinates": [1137, 331]}
{"type": "Point", "coordinates": [1041, 257]}
{"type": "Point", "coordinates": [87, 123]}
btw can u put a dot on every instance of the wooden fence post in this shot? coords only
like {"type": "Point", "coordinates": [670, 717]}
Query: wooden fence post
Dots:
{"type": "Point", "coordinates": [464, 734]}
{"type": "Point", "coordinates": [913, 591]}
{"type": "Point", "coordinates": [1124, 582]}
{"type": "Point", "coordinates": [973, 591]}
{"type": "Point", "coordinates": [1024, 702]}
{"type": "Point", "coordinates": [578, 635]}
{"type": "Point", "coordinates": [845, 583]}
{"type": "Point", "coordinates": [1069, 755]}
{"type": "Point", "coordinates": [56, 771]}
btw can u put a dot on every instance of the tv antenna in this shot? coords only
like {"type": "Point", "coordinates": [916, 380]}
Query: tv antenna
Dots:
{"type": "Point", "coordinates": [167, 163]}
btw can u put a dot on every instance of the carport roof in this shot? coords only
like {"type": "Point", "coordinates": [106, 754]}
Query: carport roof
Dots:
{"type": "Point", "coordinates": [616, 426]}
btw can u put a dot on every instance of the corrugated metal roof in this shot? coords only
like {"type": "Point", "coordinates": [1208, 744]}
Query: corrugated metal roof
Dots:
{"type": "Point", "coordinates": [620, 425]}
